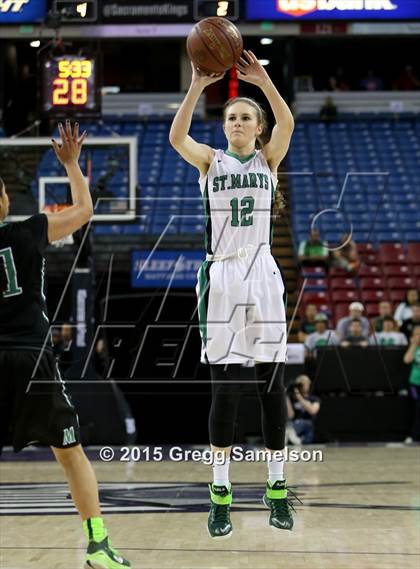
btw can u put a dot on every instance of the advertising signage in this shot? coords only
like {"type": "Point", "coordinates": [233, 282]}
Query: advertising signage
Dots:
{"type": "Point", "coordinates": [145, 11]}
{"type": "Point", "coordinates": [320, 10]}
{"type": "Point", "coordinates": [22, 11]}
{"type": "Point", "coordinates": [174, 269]}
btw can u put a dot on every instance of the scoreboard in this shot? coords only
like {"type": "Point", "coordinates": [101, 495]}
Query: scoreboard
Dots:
{"type": "Point", "coordinates": [70, 86]}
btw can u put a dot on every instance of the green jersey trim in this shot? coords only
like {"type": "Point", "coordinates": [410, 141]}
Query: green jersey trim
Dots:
{"type": "Point", "coordinates": [242, 159]}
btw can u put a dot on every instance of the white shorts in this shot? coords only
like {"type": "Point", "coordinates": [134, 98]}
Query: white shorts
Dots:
{"type": "Point", "coordinates": [241, 308]}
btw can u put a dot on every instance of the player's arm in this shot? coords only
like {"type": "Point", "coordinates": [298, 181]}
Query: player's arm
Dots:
{"type": "Point", "coordinates": [199, 155]}
{"type": "Point", "coordinates": [251, 70]}
{"type": "Point", "coordinates": [73, 218]}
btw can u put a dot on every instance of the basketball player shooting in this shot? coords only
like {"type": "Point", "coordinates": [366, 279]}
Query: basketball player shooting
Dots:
{"type": "Point", "coordinates": [48, 417]}
{"type": "Point", "coordinates": [240, 287]}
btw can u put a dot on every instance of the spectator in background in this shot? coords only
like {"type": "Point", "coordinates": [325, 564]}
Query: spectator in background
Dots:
{"type": "Point", "coordinates": [384, 309]}
{"type": "Point", "coordinates": [328, 112]}
{"type": "Point", "coordinates": [307, 325]}
{"type": "Point", "coordinates": [407, 81]}
{"type": "Point", "coordinates": [314, 251]}
{"type": "Point", "coordinates": [404, 310]}
{"type": "Point", "coordinates": [389, 336]}
{"type": "Point", "coordinates": [371, 82]}
{"type": "Point", "coordinates": [347, 256]}
{"type": "Point", "coordinates": [338, 82]}
{"type": "Point", "coordinates": [409, 324]}
{"type": "Point", "coordinates": [323, 336]}
{"type": "Point", "coordinates": [303, 408]}
{"type": "Point", "coordinates": [355, 312]}
{"type": "Point", "coordinates": [412, 356]}
{"type": "Point", "coordinates": [355, 336]}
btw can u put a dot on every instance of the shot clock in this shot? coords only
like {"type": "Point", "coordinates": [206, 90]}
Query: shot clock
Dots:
{"type": "Point", "coordinates": [70, 86]}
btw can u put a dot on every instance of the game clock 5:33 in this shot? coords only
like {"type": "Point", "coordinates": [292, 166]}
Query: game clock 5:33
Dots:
{"type": "Point", "coordinates": [70, 86]}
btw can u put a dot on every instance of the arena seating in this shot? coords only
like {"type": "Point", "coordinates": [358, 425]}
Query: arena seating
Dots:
{"type": "Point", "coordinates": [368, 168]}
{"type": "Point", "coordinates": [379, 278]}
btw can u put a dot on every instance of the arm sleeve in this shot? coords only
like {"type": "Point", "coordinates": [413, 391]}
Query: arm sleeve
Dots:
{"type": "Point", "coordinates": [35, 231]}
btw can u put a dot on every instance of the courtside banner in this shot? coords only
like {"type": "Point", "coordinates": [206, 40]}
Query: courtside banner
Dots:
{"type": "Point", "coordinates": [321, 10]}
{"type": "Point", "coordinates": [22, 11]}
{"type": "Point", "coordinates": [176, 269]}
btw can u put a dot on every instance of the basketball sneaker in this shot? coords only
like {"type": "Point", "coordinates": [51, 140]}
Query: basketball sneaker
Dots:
{"type": "Point", "coordinates": [101, 555]}
{"type": "Point", "coordinates": [275, 498]}
{"type": "Point", "coordinates": [219, 524]}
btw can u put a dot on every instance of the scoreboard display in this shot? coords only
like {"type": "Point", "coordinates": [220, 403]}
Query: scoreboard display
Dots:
{"type": "Point", "coordinates": [70, 86]}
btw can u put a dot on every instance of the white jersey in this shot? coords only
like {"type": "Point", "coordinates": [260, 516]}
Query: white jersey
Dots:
{"type": "Point", "coordinates": [238, 198]}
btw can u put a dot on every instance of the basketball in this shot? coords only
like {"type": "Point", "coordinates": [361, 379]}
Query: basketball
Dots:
{"type": "Point", "coordinates": [214, 45]}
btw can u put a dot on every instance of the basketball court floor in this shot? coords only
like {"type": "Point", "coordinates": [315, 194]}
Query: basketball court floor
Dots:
{"type": "Point", "coordinates": [360, 510]}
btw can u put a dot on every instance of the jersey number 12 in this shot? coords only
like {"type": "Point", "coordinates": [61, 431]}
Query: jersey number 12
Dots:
{"type": "Point", "coordinates": [242, 217]}
{"type": "Point", "coordinates": [6, 257]}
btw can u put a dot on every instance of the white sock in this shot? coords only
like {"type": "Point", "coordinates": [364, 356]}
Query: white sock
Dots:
{"type": "Point", "coordinates": [275, 467]}
{"type": "Point", "coordinates": [221, 472]}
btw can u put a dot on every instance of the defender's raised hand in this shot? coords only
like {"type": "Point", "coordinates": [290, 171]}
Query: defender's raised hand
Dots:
{"type": "Point", "coordinates": [251, 70]}
{"type": "Point", "coordinates": [71, 143]}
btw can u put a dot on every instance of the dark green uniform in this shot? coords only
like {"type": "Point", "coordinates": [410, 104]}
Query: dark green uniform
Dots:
{"type": "Point", "coordinates": [30, 412]}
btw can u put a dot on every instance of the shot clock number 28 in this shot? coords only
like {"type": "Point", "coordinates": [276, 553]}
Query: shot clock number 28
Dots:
{"type": "Point", "coordinates": [69, 85]}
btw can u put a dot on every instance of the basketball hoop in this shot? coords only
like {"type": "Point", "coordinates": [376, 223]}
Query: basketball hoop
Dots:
{"type": "Point", "coordinates": [56, 208]}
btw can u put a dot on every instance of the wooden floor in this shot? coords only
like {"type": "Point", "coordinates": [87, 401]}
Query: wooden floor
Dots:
{"type": "Point", "coordinates": [360, 510]}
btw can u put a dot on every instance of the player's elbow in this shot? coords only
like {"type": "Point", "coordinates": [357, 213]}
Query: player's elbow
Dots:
{"type": "Point", "coordinates": [174, 139]}
{"type": "Point", "coordinates": [86, 213]}
{"type": "Point", "coordinates": [290, 125]}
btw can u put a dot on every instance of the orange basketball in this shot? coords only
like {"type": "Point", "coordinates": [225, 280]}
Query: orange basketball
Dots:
{"type": "Point", "coordinates": [214, 45]}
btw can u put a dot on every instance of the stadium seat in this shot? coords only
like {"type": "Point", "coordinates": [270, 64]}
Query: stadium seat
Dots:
{"type": "Point", "coordinates": [374, 283]}
{"type": "Point", "coordinates": [401, 282]}
{"type": "Point", "coordinates": [374, 295]}
{"type": "Point", "coordinates": [338, 296]}
{"type": "Point", "coordinates": [340, 311]}
{"type": "Point", "coordinates": [397, 295]}
{"type": "Point", "coordinates": [370, 258]}
{"type": "Point", "coordinates": [397, 270]}
{"type": "Point", "coordinates": [316, 285]}
{"type": "Point", "coordinates": [371, 309]}
{"type": "Point", "coordinates": [392, 253]}
{"type": "Point", "coordinates": [321, 297]}
{"type": "Point", "coordinates": [413, 252]}
{"type": "Point", "coordinates": [313, 272]}
{"type": "Point", "coordinates": [342, 283]}
{"type": "Point", "coordinates": [338, 272]}
{"type": "Point", "coordinates": [370, 271]}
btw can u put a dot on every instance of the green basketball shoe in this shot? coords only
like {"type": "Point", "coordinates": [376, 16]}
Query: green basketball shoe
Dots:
{"type": "Point", "coordinates": [275, 498]}
{"type": "Point", "coordinates": [101, 555]}
{"type": "Point", "coordinates": [219, 524]}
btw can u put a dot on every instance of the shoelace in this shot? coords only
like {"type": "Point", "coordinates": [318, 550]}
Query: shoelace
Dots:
{"type": "Point", "coordinates": [221, 514]}
{"type": "Point", "coordinates": [281, 507]}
